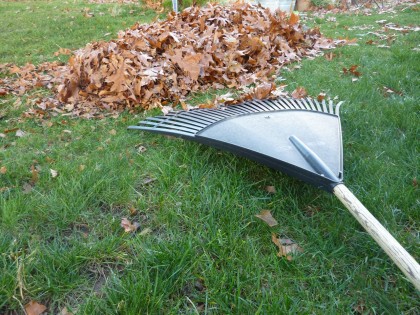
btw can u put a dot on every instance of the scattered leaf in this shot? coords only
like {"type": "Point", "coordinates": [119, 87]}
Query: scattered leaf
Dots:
{"type": "Point", "coordinates": [3, 92]}
{"type": "Point", "coordinates": [299, 92]}
{"type": "Point", "coordinates": [320, 97]}
{"type": "Point", "coordinates": [128, 226]}
{"type": "Point", "coordinates": [146, 231]}
{"type": "Point", "coordinates": [266, 216]}
{"type": "Point", "coordinates": [82, 167]}
{"type": "Point", "coordinates": [388, 91]}
{"type": "Point", "coordinates": [113, 132]}
{"type": "Point", "coordinates": [20, 133]}
{"type": "Point", "coordinates": [270, 189]}
{"type": "Point", "coordinates": [34, 308]}
{"type": "Point", "coordinates": [287, 248]}
{"type": "Point", "coordinates": [54, 173]}
{"type": "Point", "coordinates": [3, 170]}
{"type": "Point", "coordinates": [27, 188]}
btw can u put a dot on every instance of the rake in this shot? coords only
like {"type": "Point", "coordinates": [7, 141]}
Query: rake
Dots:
{"type": "Point", "coordinates": [300, 137]}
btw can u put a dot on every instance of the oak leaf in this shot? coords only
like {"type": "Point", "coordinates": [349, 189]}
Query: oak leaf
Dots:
{"type": "Point", "coordinates": [287, 248]}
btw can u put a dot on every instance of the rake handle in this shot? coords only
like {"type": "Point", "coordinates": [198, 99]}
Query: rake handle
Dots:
{"type": "Point", "coordinates": [385, 240]}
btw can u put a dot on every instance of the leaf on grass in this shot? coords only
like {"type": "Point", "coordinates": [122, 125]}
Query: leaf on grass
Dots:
{"type": "Point", "coordinates": [287, 248]}
{"type": "Point", "coordinates": [20, 133]}
{"type": "Point", "coordinates": [82, 167]}
{"type": "Point", "coordinates": [270, 189]}
{"type": "Point", "coordinates": [3, 170]}
{"type": "Point", "coordinates": [3, 92]}
{"type": "Point", "coordinates": [146, 231]}
{"type": "Point", "coordinates": [266, 216]}
{"type": "Point", "coordinates": [34, 308]}
{"type": "Point", "coordinates": [128, 226]}
{"type": "Point", "coordinates": [320, 97]}
{"type": "Point", "coordinates": [54, 173]}
{"type": "Point", "coordinates": [299, 92]}
{"type": "Point", "coordinates": [34, 172]}
{"type": "Point", "coordinates": [113, 132]}
{"type": "Point", "coordinates": [388, 91]}
{"type": "Point", "coordinates": [27, 188]}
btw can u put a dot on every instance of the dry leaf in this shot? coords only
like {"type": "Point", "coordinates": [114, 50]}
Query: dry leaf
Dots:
{"type": "Point", "coordinates": [270, 189]}
{"type": "Point", "coordinates": [2, 135]}
{"type": "Point", "coordinates": [299, 92]}
{"type": "Point", "coordinates": [20, 133]}
{"type": "Point", "coordinates": [3, 170]}
{"type": "Point", "coordinates": [146, 231]}
{"type": "Point", "coordinates": [113, 132]}
{"type": "Point", "coordinates": [34, 172]}
{"type": "Point", "coordinates": [34, 308]}
{"type": "Point", "coordinates": [128, 226]}
{"type": "Point", "coordinates": [266, 216]}
{"type": "Point", "coordinates": [65, 311]}
{"type": "Point", "coordinates": [27, 188]}
{"type": "Point", "coordinates": [320, 97]}
{"type": "Point", "coordinates": [294, 19]}
{"type": "Point", "coordinates": [54, 173]}
{"type": "Point", "coordinates": [82, 167]}
{"type": "Point", "coordinates": [287, 248]}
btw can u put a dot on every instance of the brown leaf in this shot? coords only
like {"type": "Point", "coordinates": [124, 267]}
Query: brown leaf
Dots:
{"type": "Point", "coordinates": [263, 90]}
{"type": "Point", "coordinates": [299, 92]}
{"type": "Point", "coordinates": [320, 97]}
{"type": "Point", "coordinates": [113, 132]}
{"type": "Point", "coordinates": [270, 189]}
{"type": "Point", "coordinates": [294, 19]}
{"type": "Point", "coordinates": [128, 226]}
{"type": "Point", "coordinates": [3, 170]}
{"type": "Point", "coordinates": [266, 216]}
{"type": "Point", "coordinates": [34, 308]}
{"type": "Point", "coordinates": [34, 172]}
{"type": "Point", "coordinates": [3, 92]}
{"type": "Point", "coordinates": [287, 248]}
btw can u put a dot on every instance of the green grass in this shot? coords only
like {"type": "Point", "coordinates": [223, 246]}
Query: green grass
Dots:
{"type": "Point", "coordinates": [62, 245]}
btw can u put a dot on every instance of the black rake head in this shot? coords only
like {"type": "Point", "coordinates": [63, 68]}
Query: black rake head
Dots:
{"type": "Point", "coordinates": [301, 137]}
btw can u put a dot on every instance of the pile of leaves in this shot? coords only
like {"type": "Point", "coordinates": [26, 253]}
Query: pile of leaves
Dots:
{"type": "Point", "coordinates": [152, 65]}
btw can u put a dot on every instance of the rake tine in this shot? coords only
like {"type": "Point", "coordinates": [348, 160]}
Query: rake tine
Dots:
{"type": "Point", "coordinates": [311, 104]}
{"type": "Point", "coordinates": [264, 105]}
{"type": "Point", "coordinates": [331, 107]}
{"type": "Point", "coordinates": [175, 122]}
{"type": "Point", "coordinates": [164, 130]}
{"type": "Point", "coordinates": [324, 106]}
{"type": "Point", "coordinates": [285, 104]}
{"type": "Point", "coordinates": [337, 108]}
{"type": "Point", "coordinates": [175, 126]}
{"type": "Point", "coordinates": [318, 106]}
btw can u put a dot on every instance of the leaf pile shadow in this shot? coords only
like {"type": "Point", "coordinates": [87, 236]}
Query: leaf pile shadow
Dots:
{"type": "Point", "coordinates": [152, 65]}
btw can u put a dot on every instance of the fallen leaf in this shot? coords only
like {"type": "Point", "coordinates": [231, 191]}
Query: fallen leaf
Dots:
{"type": "Point", "coordinates": [146, 231]}
{"type": "Point", "coordinates": [270, 189]}
{"type": "Point", "coordinates": [299, 92]}
{"type": "Point", "coordinates": [266, 216]}
{"type": "Point", "coordinates": [415, 182]}
{"type": "Point", "coordinates": [34, 172]}
{"type": "Point", "coordinates": [294, 19]}
{"type": "Point", "coordinates": [128, 226]}
{"type": "Point", "coordinates": [388, 91]}
{"type": "Point", "coordinates": [82, 167]}
{"type": "Point", "coordinates": [27, 188]}
{"type": "Point", "coordinates": [3, 170]}
{"type": "Point", "coordinates": [54, 173]}
{"type": "Point", "coordinates": [113, 132]}
{"type": "Point", "coordinates": [2, 135]}
{"type": "Point", "coordinates": [287, 248]}
{"type": "Point", "coordinates": [34, 308]}
{"type": "Point", "coordinates": [320, 97]}
{"type": "Point", "coordinates": [65, 311]}
{"type": "Point", "coordinates": [20, 133]}
{"type": "Point", "coordinates": [141, 149]}
{"type": "Point", "coordinates": [3, 92]}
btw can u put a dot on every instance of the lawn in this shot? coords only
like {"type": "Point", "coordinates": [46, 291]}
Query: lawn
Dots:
{"type": "Point", "coordinates": [67, 183]}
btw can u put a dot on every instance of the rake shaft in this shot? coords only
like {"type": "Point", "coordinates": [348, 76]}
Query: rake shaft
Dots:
{"type": "Point", "coordinates": [385, 240]}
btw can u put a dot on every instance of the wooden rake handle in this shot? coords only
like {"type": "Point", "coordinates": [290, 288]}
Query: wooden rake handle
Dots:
{"type": "Point", "coordinates": [389, 244]}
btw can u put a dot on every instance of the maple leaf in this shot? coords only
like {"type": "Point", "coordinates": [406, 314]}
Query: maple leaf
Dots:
{"type": "Point", "coordinates": [266, 216]}
{"type": "Point", "coordinates": [34, 308]}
